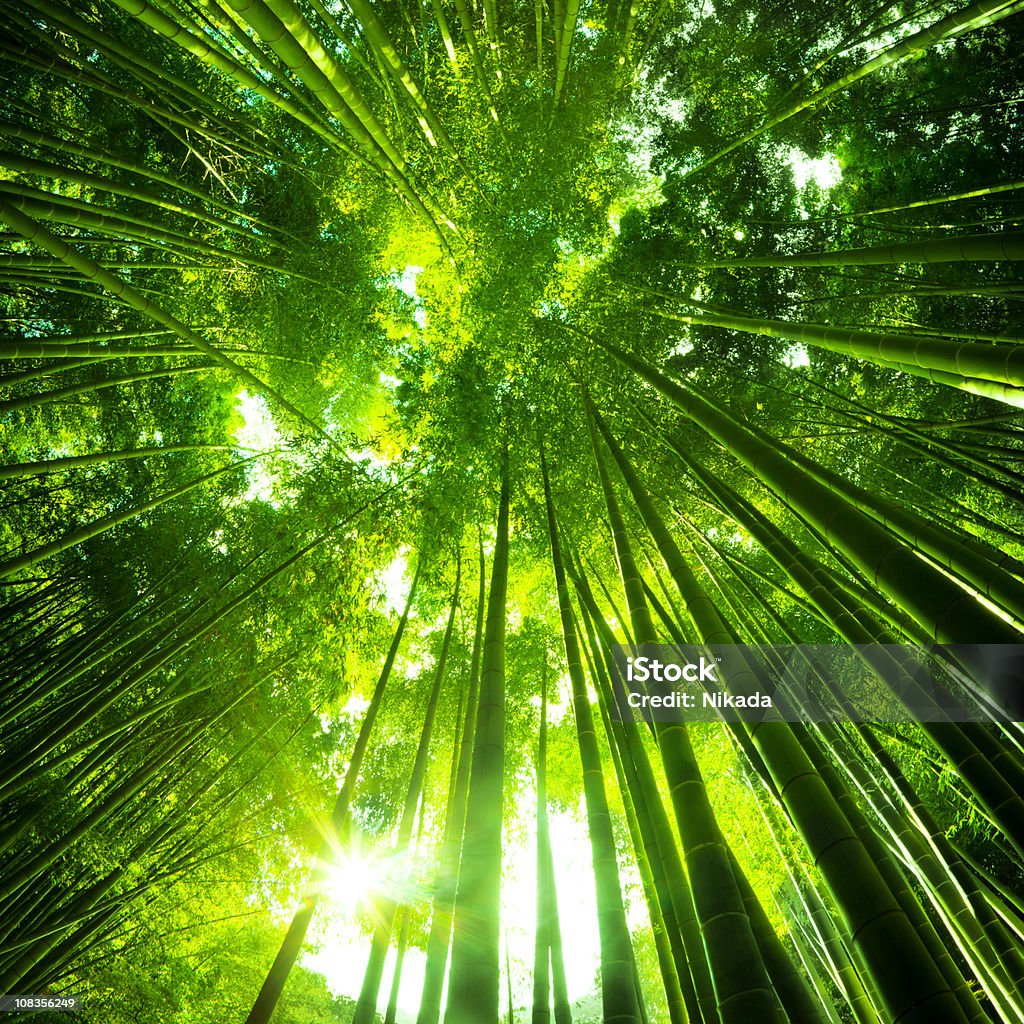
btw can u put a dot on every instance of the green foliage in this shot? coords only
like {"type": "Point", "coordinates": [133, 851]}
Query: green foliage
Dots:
{"type": "Point", "coordinates": [398, 307]}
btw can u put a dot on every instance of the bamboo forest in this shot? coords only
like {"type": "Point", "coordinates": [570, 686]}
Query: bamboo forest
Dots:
{"type": "Point", "coordinates": [386, 386]}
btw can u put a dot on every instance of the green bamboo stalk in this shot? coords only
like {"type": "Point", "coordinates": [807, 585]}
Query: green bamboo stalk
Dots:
{"type": "Point", "coordinates": [380, 40]}
{"type": "Point", "coordinates": [565, 37]}
{"type": "Point", "coordinates": [992, 773]}
{"type": "Point", "coordinates": [1003, 365]}
{"type": "Point", "coordinates": [86, 387]}
{"type": "Point", "coordinates": [108, 522]}
{"type": "Point", "coordinates": [797, 999]}
{"type": "Point", "coordinates": [473, 48]}
{"type": "Point", "coordinates": [901, 966]}
{"type": "Point", "coordinates": [391, 1013]}
{"type": "Point", "coordinates": [444, 28]}
{"type": "Point", "coordinates": [291, 946]}
{"type": "Point", "coordinates": [949, 613]}
{"type": "Point", "coordinates": [541, 1013]}
{"type": "Point", "coordinates": [61, 209]}
{"type": "Point", "coordinates": [194, 41]}
{"type": "Point", "coordinates": [975, 15]}
{"type": "Point", "coordinates": [60, 61]}
{"type": "Point", "coordinates": [123, 291]}
{"type": "Point", "coordinates": [967, 248]}
{"type": "Point", "coordinates": [365, 1010]}
{"type": "Point", "coordinates": [439, 939]}
{"type": "Point", "coordinates": [971, 926]}
{"type": "Point", "coordinates": [955, 197]}
{"type": "Point", "coordinates": [282, 26]}
{"type": "Point", "coordinates": [474, 978]}
{"type": "Point", "coordinates": [680, 996]}
{"type": "Point", "coordinates": [691, 960]}
{"type": "Point", "coordinates": [1008, 394]}
{"type": "Point", "coordinates": [618, 993]}
{"type": "Point", "coordinates": [741, 981]}
{"type": "Point", "coordinates": [181, 93]}
{"type": "Point", "coordinates": [43, 169]}
{"type": "Point", "coordinates": [46, 140]}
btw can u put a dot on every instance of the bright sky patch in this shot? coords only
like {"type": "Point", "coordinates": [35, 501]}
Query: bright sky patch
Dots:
{"type": "Point", "coordinates": [824, 171]}
{"type": "Point", "coordinates": [344, 946]}
{"type": "Point", "coordinates": [406, 282]}
{"type": "Point", "coordinates": [796, 356]}
{"type": "Point", "coordinates": [258, 432]}
{"type": "Point", "coordinates": [395, 585]}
